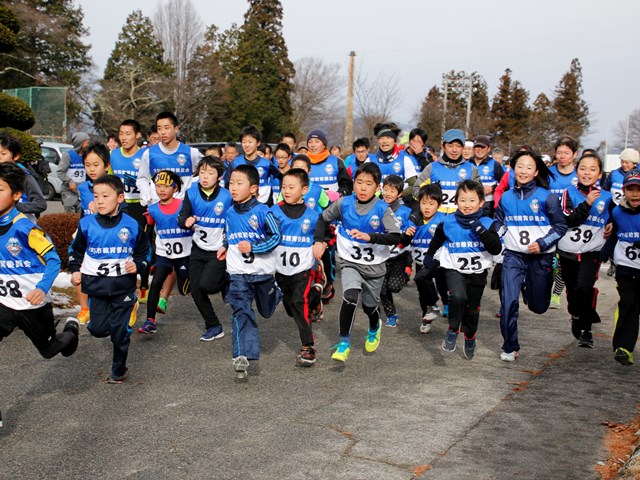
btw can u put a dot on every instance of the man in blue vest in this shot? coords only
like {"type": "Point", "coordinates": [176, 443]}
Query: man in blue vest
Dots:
{"type": "Point", "coordinates": [71, 172]}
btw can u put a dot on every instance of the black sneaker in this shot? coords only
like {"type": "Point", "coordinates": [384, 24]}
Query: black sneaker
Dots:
{"type": "Point", "coordinates": [586, 339]}
{"type": "Point", "coordinates": [306, 357]}
{"type": "Point", "coordinates": [73, 326]}
{"type": "Point", "coordinates": [575, 327]}
{"type": "Point", "coordinates": [623, 356]}
{"type": "Point", "coordinates": [469, 348]}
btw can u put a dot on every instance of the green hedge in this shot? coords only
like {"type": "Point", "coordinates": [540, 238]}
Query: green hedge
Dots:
{"type": "Point", "coordinates": [15, 113]}
{"type": "Point", "coordinates": [9, 27]}
{"type": "Point", "coordinates": [30, 148]}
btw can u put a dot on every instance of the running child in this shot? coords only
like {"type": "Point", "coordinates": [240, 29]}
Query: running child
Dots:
{"type": "Point", "coordinates": [282, 160]}
{"type": "Point", "coordinates": [588, 210]}
{"type": "Point", "coordinates": [468, 240]}
{"type": "Point", "coordinates": [426, 221]}
{"type": "Point", "coordinates": [400, 261]}
{"type": "Point", "coordinates": [96, 161]}
{"type": "Point", "coordinates": [252, 233]}
{"type": "Point", "coordinates": [28, 267]}
{"type": "Point", "coordinates": [367, 230]}
{"type": "Point", "coordinates": [297, 270]}
{"type": "Point", "coordinates": [173, 244]}
{"type": "Point", "coordinates": [32, 202]}
{"type": "Point", "coordinates": [109, 249]}
{"type": "Point", "coordinates": [316, 197]}
{"type": "Point", "coordinates": [624, 244]}
{"type": "Point", "coordinates": [204, 210]}
{"type": "Point", "coordinates": [534, 225]}
{"type": "Point", "coordinates": [629, 159]}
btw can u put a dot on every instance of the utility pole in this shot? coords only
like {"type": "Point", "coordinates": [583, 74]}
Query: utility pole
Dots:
{"type": "Point", "coordinates": [348, 124]}
{"type": "Point", "coordinates": [469, 94]}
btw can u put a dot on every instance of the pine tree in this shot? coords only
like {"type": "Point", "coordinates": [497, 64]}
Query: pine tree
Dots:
{"type": "Point", "coordinates": [137, 82]}
{"type": "Point", "coordinates": [501, 109]}
{"type": "Point", "coordinates": [430, 119]}
{"type": "Point", "coordinates": [518, 120]}
{"type": "Point", "coordinates": [571, 111]}
{"type": "Point", "coordinates": [541, 124]}
{"type": "Point", "coordinates": [260, 72]}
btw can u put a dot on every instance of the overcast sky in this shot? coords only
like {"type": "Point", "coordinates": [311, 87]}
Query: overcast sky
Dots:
{"type": "Point", "coordinates": [418, 40]}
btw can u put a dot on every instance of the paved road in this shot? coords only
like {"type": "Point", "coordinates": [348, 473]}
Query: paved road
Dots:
{"type": "Point", "coordinates": [410, 410]}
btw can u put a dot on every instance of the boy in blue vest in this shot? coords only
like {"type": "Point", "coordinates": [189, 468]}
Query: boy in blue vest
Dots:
{"type": "Point", "coordinates": [252, 233]}
{"type": "Point", "coordinates": [400, 260]}
{"type": "Point", "coordinates": [173, 244]}
{"type": "Point", "coordinates": [624, 246]}
{"type": "Point", "coordinates": [367, 231]}
{"type": "Point", "coordinates": [205, 210]}
{"type": "Point", "coordinates": [28, 267]}
{"type": "Point", "coordinates": [251, 137]}
{"type": "Point", "coordinates": [297, 270]}
{"type": "Point", "coordinates": [109, 249]}
{"type": "Point", "coordinates": [468, 240]}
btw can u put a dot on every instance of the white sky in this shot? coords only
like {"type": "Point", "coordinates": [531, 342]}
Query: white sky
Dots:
{"type": "Point", "coordinates": [418, 40]}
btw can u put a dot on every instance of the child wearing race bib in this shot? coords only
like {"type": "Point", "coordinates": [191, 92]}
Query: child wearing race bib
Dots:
{"type": "Point", "coordinates": [96, 163]}
{"type": "Point", "coordinates": [588, 211]}
{"type": "Point", "coordinates": [468, 240]}
{"type": "Point", "coordinates": [282, 159]}
{"type": "Point", "coordinates": [429, 199]}
{"type": "Point", "coordinates": [367, 231]}
{"type": "Point", "coordinates": [204, 210]}
{"type": "Point", "coordinates": [400, 260]}
{"type": "Point", "coordinates": [252, 234]}
{"type": "Point", "coordinates": [534, 224]}
{"type": "Point", "coordinates": [109, 249]}
{"type": "Point", "coordinates": [624, 244]}
{"type": "Point", "coordinates": [173, 244]}
{"type": "Point", "coordinates": [297, 272]}
{"type": "Point", "coordinates": [28, 269]}
{"type": "Point", "coordinates": [629, 159]}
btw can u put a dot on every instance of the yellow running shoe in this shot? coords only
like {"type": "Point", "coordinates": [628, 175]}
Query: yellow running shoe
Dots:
{"type": "Point", "coordinates": [83, 316]}
{"type": "Point", "coordinates": [144, 295]}
{"type": "Point", "coordinates": [373, 339]}
{"type": "Point", "coordinates": [342, 352]}
{"type": "Point", "coordinates": [134, 317]}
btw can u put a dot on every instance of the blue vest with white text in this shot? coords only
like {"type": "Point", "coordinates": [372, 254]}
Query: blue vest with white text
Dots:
{"type": "Point", "coordinates": [325, 173]}
{"type": "Point", "coordinates": [628, 233]}
{"type": "Point", "coordinates": [248, 227]}
{"type": "Point", "coordinates": [463, 250]}
{"type": "Point", "coordinates": [423, 236]}
{"type": "Point", "coordinates": [76, 172]}
{"type": "Point", "coordinates": [448, 179]}
{"type": "Point", "coordinates": [588, 237]}
{"type": "Point", "coordinates": [526, 219]}
{"type": "Point", "coordinates": [295, 254]}
{"type": "Point", "coordinates": [208, 231]}
{"type": "Point", "coordinates": [85, 192]}
{"type": "Point", "coordinates": [127, 169]}
{"type": "Point", "coordinates": [171, 240]}
{"type": "Point", "coordinates": [560, 182]}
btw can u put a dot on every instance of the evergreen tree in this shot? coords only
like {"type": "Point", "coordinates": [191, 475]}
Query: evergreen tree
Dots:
{"type": "Point", "coordinates": [260, 73]}
{"type": "Point", "coordinates": [49, 48]}
{"type": "Point", "coordinates": [137, 82]}
{"type": "Point", "coordinates": [518, 120]}
{"type": "Point", "coordinates": [430, 117]}
{"type": "Point", "coordinates": [541, 124]}
{"type": "Point", "coordinates": [501, 109]}
{"type": "Point", "coordinates": [571, 111]}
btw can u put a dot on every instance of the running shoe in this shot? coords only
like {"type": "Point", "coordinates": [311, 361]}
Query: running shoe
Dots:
{"type": "Point", "coordinates": [342, 352]}
{"type": "Point", "coordinates": [328, 293]}
{"type": "Point", "coordinates": [118, 379]}
{"type": "Point", "coordinates": [392, 321]}
{"type": "Point", "coordinates": [148, 328]}
{"type": "Point", "coordinates": [586, 339]}
{"type": "Point", "coordinates": [449, 341]}
{"type": "Point", "coordinates": [373, 340]}
{"type": "Point", "coordinates": [83, 316]}
{"type": "Point", "coordinates": [240, 366]}
{"type": "Point", "coordinates": [134, 315]}
{"type": "Point", "coordinates": [469, 348]}
{"type": "Point", "coordinates": [623, 356]}
{"type": "Point", "coordinates": [71, 325]}
{"type": "Point", "coordinates": [508, 357]}
{"type": "Point", "coordinates": [431, 314]}
{"type": "Point", "coordinates": [425, 327]}
{"type": "Point", "coordinates": [555, 301]}
{"type": "Point", "coordinates": [212, 333]}
{"type": "Point", "coordinates": [144, 295]}
{"type": "Point", "coordinates": [575, 327]}
{"type": "Point", "coordinates": [306, 357]}
{"type": "Point", "coordinates": [162, 305]}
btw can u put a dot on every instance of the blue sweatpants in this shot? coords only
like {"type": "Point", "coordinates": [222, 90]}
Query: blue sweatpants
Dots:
{"type": "Point", "coordinates": [242, 290]}
{"type": "Point", "coordinates": [531, 274]}
{"type": "Point", "coordinates": [110, 317]}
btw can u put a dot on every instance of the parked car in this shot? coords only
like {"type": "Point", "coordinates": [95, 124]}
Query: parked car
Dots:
{"type": "Point", "coordinates": [52, 152]}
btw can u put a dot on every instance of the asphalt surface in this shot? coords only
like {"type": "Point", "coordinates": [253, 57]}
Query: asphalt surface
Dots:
{"type": "Point", "coordinates": [410, 410]}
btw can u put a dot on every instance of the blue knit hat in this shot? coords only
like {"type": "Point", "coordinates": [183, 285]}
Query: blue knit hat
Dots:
{"type": "Point", "coordinates": [319, 134]}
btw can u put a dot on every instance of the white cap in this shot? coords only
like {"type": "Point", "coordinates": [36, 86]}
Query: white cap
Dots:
{"type": "Point", "coordinates": [630, 155]}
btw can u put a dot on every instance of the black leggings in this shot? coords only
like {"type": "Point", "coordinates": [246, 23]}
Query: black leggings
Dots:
{"type": "Point", "coordinates": [160, 273]}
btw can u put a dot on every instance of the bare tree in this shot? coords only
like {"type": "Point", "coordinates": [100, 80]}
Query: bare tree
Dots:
{"type": "Point", "coordinates": [627, 131]}
{"type": "Point", "coordinates": [375, 100]}
{"type": "Point", "coordinates": [180, 30]}
{"type": "Point", "coordinates": [317, 94]}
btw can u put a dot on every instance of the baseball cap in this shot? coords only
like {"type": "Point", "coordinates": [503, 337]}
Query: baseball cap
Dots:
{"type": "Point", "coordinates": [632, 178]}
{"type": "Point", "coordinates": [481, 141]}
{"type": "Point", "coordinates": [453, 135]}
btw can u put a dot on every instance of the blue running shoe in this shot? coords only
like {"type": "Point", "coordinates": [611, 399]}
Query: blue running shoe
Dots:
{"type": "Point", "coordinates": [392, 321]}
{"type": "Point", "coordinates": [449, 341]}
{"type": "Point", "coordinates": [148, 327]}
{"type": "Point", "coordinates": [445, 310]}
{"type": "Point", "coordinates": [212, 333]}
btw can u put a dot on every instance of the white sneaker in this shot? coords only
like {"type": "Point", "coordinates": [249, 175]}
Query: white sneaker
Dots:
{"type": "Point", "coordinates": [432, 314]}
{"type": "Point", "coordinates": [240, 366]}
{"type": "Point", "coordinates": [425, 327]}
{"type": "Point", "coordinates": [508, 357]}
